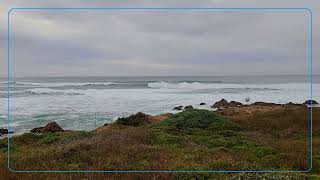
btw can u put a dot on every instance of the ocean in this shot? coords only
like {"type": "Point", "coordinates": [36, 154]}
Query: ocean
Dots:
{"type": "Point", "coordinates": [85, 103]}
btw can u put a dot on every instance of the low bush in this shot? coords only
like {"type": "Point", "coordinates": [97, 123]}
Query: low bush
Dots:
{"type": "Point", "coordinates": [50, 138]}
{"type": "Point", "coordinates": [138, 119]}
{"type": "Point", "coordinates": [199, 118]}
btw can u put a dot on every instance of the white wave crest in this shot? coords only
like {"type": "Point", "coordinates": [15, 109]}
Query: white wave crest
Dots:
{"type": "Point", "coordinates": [197, 85]}
{"type": "Point", "coordinates": [54, 91]}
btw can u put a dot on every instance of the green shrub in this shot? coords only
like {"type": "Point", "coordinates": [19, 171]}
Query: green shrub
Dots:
{"type": "Point", "coordinates": [3, 146]}
{"type": "Point", "coordinates": [138, 119]}
{"type": "Point", "coordinates": [49, 138]}
{"type": "Point", "coordinates": [199, 118]}
{"type": "Point", "coordinates": [165, 138]}
{"type": "Point", "coordinates": [27, 138]}
{"type": "Point", "coordinates": [263, 151]}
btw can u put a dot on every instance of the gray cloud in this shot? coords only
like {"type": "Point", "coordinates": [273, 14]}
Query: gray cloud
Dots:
{"type": "Point", "coordinates": [136, 42]}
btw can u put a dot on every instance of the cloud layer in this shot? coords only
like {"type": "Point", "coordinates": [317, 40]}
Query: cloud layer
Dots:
{"type": "Point", "coordinates": [157, 42]}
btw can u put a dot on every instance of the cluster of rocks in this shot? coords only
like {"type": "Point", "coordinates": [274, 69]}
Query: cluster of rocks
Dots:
{"type": "Point", "coordinates": [225, 104]}
{"type": "Point", "coordinates": [50, 127]}
{"type": "Point", "coordinates": [309, 102]}
{"type": "Point", "coordinates": [180, 108]}
{"type": "Point", "coordinates": [222, 104]}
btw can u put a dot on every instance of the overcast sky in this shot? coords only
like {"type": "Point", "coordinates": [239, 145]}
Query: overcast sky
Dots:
{"type": "Point", "coordinates": [158, 42]}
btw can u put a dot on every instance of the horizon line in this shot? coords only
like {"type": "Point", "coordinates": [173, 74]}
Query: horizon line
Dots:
{"type": "Point", "coordinates": [157, 76]}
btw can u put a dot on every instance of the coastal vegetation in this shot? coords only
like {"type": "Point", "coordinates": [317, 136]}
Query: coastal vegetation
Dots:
{"type": "Point", "coordinates": [252, 137]}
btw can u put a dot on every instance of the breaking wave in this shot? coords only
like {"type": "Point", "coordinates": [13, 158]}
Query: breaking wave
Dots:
{"type": "Point", "coordinates": [197, 85]}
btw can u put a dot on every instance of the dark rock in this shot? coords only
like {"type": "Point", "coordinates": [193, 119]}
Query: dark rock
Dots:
{"type": "Point", "coordinates": [221, 103]}
{"type": "Point", "coordinates": [201, 104]}
{"type": "Point", "coordinates": [178, 108]}
{"type": "Point", "coordinates": [4, 131]}
{"type": "Point", "coordinates": [308, 102]}
{"type": "Point", "coordinates": [234, 104]}
{"type": "Point", "coordinates": [107, 124]}
{"type": "Point", "coordinates": [50, 127]}
{"type": "Point", "coordinates": [265, 104]}
{"type": "Point", "coordinates": [188, 108]}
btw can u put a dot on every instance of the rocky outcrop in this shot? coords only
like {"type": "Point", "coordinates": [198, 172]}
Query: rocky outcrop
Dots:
{"type": "Point", "coordinates": [178, 108]}
{"type": "Point", "coordinates": [225, 104]}
{"type": "Point", "coordinates": [221, 103]}
{"type": "Point", "coordinates": [260, 103]}
{"type": "Point", "coordinates": [50, 127]}
{"type": "Point", "coordinates": [188, 108]}
{"type": "Point", "coordinates": [308, 102]}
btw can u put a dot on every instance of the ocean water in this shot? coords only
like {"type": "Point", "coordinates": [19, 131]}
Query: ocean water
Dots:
{"type": "Point", "coordinates": [84, 103]}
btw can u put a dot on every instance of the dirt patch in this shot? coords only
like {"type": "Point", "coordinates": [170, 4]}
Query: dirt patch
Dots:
{"type": "Point", "coordinates": [248, 110]}
{"type": "Point", "coordinates": [160, 117]}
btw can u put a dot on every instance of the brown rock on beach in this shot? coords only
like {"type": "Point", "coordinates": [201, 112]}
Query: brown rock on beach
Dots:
{"type": "Point", "coordinates": [50, 127]}
{"type": "Point", "coordinates": [225, 104]}
{"type": "Point", "coordinates": [221, 103]}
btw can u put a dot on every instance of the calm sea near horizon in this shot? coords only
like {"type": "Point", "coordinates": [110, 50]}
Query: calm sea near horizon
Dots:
{"type": "Point", "coordinates": [84, 103]}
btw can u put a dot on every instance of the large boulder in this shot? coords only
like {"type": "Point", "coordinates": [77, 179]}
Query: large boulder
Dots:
{"type": "Point", "coordinates": [50, 127]}
{"type": "Point", "coordinates": [220, 104]}
{"type": "Point", "coordinates": [308, 102]}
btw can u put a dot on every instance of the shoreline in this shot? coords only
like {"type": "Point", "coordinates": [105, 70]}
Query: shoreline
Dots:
{"type": "Point", "coordinates": [216, 107]}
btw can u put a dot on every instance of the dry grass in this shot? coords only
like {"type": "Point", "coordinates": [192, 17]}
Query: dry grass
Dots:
{"type": "Point", "coordinates": [274, 138]}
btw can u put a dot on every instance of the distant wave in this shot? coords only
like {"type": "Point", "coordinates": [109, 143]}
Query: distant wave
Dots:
{"type": "Point", "coordinates": [6, 82]}
{"type": "Point", "coordinates": [56, 84]}
{"type": "Point", "coordinates": [39, 91]}
{"type": "Point", "coordinates": [181, 85]}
